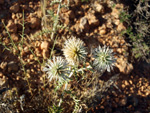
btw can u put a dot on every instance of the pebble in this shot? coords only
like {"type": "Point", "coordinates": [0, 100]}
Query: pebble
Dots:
{"type": "Point", "coordinates": [11, 26]}
{"type": "Point", "coordinates": [126, 83]}
{"type": "Point", "coordinates": [19, 15]}
{"type": "Point", "coordinates": [123, 101]}
{"type": "Point", "coordinates": [1, 74]}
{"type": "Point", "coordinates": [123, 86]}
{"type": "Point", "coordinates": [28, 60]}
{"type": "Point", "coordinates": [130, 81]}
{"type": "Point", "coordinates": [102, 32]}
{"type": "Point", "coordinates": [65, 18]}
{"type": "Point", "coordinates": [84, 24]}
{"type": "Point", "coordinates": [13, 16]}
{"type": "Point", "coordinates": [24, 7]}
{"type": "Point", "coordinates": [38, 52]}
{"type": "Point", "coordinates": [77, 2]}
{"type": "Point", "coordinates": [98, 7]}
{"type": "Point", "coordinates": [120, 27]}
{"type": "Point", "coordinates": [71, 14]}
{"type": "Point", "coordinates": [2, 81]}
{"type": "Point", "coordinates": [119, 50]}
{"type": "Point", "coordinates": [12, 66]}
{"type": "Point", "coordinates": [45, 54]}
{"type": "Point", "coordinates": [3, 65]}
{"type": "Point", "coordinates": [35, 23]}
{"type": "Point", "coordinates": [93, 21]}
{"type": "Point", "coordinates": [31, 56]}
{"type": "Point", "coordinates": [39, 13]}
{"type": "Point", "coordinates": [26, 49]}
{"type": "Point", "coordinates": [37, 44]}
{"type": "Point", "coordinates": [14, 37]}
{"type": "Point", "coordinates": [115, 13]}
{"type": "Point", "coordinates": [117, 22]}
{"type": "Point", "coordinates": [44, 45]}
{"type": "Point", "coordinates": [4, 33]}
{"type": "Point", "coordinates": [109, 25]}
{"type": "Point", "coordinates": [15, 8]}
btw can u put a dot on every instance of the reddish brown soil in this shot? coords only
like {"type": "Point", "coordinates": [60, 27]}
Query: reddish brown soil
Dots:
{"type": "Point", "coordinates": [102, 28]}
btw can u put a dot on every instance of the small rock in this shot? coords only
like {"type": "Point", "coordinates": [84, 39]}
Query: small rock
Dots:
{"type": "Point", "coordinates": [109, 25]}
{"type": "Point", "coordinates": [120, 27]}
{"type": "Point", "coordinates": [31, 56]}
{"type": "Point", "coordinates": [102, 32]}
{"type": "Point", "coordinates": [80, 13]}
{"type": "Point", "coordinates": [2, 81]}
{"type": "Point", "coordinates": [116, 10]}
{"type": "Point", "coordinates": [15, 51]}
{"type": "Point", "coordinates": [4, 33]}
{"type": "Point", "coordinates": [24, 7]}
{"type": "Point", "coordinates": [71, 14]}
{"type": "Point", "coordinates": [76, 28]}
{"type": "Point", "coordinates": [12, 66]}
{"type": "Point", "coordinates": [124, 66]}
{"type": "Point", "coordinates": [129, 68]}
{"type": "Point", "coordinates": [98, 7]}
{"type": "Point", "coordinates": [45, 54]}
{"type": "Point", "coordinates": [6, 40]}
{"type": "Point", "coordinates": [31, 4]}
{"type": "Point", "coordinates": [119, 50]}
{"type": "Point", "coordinates": [126, 83]}
{"type": "Point", "coordinates": [11, 26]}
{"type": "Point", "coordinates": [1, 74]}
{"type": "Point", "coordinates": [26, 49]}
{"type": "Point", "coordinates": [130, 81]}
{"type": "Point", "coordinates": [15, 8]}
{"type": "Point", "coordinates": [65, 19]}
{"type": "Point", "coordinates": [3, 65]}
{"type": "Point", "coordinates": [93, 21]}
{"type": "Point", "coordinates": [14, 37]}
{"type": "Point", "coordinates": [123, 101]}
{"type": "Point", "coordinates": [1, 1]}
{"type": "Point", "coordinates": [13, 16]}
{"type": "Point", "coordinates": [35, 23]}
{"type": "Point", "coordinates": [19, 15]}
{"type": "Point", "coordinates": [123, 86]}
{"type": "Point", "coordinates": [84, 24]}
{"type": "Point", "coordinates": [44, 45]}
{"type": "Point", "coordinates": [38, 52]}
{"type": "Point", "coordinates": [77, 2]}
{"type": "Point", "coordinates": [39, 13]}
{"type": "Point", "coordinates": [117, 22]}
{"type": "Point", "coordinates": [102, 107]}
{"type": "Point", "coordinates": [37, 44]}
{"type": "Point", "coordinates": [115, 13]}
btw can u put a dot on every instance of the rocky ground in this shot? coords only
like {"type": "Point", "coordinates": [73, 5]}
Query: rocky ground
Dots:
{"type": "Point", "coordinates": [96, 24]}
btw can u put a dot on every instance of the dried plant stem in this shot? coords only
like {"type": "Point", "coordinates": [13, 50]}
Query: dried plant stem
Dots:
{"type": "Point", "coordinates": [56, 22]}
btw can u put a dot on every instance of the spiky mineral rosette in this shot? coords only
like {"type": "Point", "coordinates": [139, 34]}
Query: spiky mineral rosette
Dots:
{"type": "Point", "coordinates": [56, 68]}
{"type": "Point", "coordinates": [74, 51]}
{"type": "Point", "coordinates": [103, 58]}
